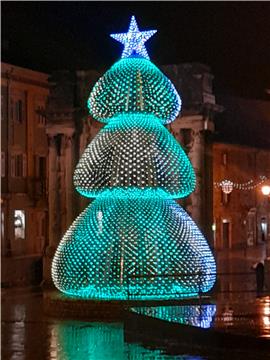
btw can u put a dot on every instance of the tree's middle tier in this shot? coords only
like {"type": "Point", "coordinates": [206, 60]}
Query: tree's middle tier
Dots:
{"type": "Point", "coordinates": [134, 151]}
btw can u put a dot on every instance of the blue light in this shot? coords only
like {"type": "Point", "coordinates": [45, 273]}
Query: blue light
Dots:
{"type": "Point", "coordinates": [134, 40]}
{"type": "Point", "coordinates": [194, 315]}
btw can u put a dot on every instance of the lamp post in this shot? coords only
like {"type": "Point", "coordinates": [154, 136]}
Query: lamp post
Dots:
{"type": "Point", "coordinates": [265, 189]}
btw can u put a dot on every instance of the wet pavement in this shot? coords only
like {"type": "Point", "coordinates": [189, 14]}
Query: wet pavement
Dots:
{"type": "Point", "coordinates": [27, 333]}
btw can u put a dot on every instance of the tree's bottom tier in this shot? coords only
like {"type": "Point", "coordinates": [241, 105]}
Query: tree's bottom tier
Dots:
{"type": "Point", "coordinates": [122, 248]}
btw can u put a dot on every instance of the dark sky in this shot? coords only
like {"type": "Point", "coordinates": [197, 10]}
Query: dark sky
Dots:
{"type": "Point", "coordinates": [233, 38]}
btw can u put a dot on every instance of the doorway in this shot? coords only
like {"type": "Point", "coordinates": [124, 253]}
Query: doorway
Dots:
{"type": "Point", "coordinates": [263, 229]}
{"type": "Point", "coordinates": [226, 234]}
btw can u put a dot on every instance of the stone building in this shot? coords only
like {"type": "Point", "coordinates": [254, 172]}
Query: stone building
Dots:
{"type": "Point", "coordinates": [241, 155]}
{"type": "Point", "coordinates": [194, 129]}
{"type": "Point", "coordinates": [23, 171]}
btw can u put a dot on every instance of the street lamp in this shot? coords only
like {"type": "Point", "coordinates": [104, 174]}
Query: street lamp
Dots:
{"type": "Point", "coordinates": [266, 190]}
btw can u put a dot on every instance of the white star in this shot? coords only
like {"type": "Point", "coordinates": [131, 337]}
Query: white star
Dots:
{"type": "Point", "coordinates": [134, 40]}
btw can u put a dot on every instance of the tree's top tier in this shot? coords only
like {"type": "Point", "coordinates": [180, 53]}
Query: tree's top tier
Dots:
{"type": "Point", "coordinates": [134, 85]}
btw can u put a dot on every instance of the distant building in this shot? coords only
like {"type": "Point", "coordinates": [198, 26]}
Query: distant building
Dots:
{"type": "Point", "coordinates": [24, 152]}
{"type": "Point", "coordinates": [241, 155]}
{"type": "Point", "coordinates": [194, 129]}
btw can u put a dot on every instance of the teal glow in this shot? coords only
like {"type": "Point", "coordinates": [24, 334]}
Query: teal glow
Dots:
{"type": "Point", "coordinates": [134, 85]}
{"type": "Point", "coordinates": [135, 151]}
{"type": "Point", "coordinates": [134, 40]}
{"type": "Point", "coordinates": [193, 315]}
{"type": "Point", "coordinates": [72, 340]}
{"type": "Point", "coordinates": [134, 241]}
{"type": "Point", "coordinates": [117, 239]}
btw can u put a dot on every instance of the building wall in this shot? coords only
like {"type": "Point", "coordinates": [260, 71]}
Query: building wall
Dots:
{"type": "Point", "coordinates": [194, 129]}
{"type": "Point", "coordinates": [23, 165]}
{"type": "Point", "coordinates": [69, 130]}
{"type": "Point", "coordinates": [238, 217]}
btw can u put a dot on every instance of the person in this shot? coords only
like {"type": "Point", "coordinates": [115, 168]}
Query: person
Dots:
{"type": "Point", "coordinates": [259, 269]}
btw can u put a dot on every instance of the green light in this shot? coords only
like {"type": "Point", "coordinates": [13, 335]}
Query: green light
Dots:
{"type": "Point", "coordinates": [134, 85]}
{"type": "Point", "coordinates": [134, 240]}
{"type": "Point", "coordinates": [135, 151]}
{"type": "Point", "coordinates": [117, 238]}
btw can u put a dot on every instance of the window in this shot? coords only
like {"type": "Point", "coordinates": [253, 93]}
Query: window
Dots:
{"type": "Point", "coordinates": [18, 165]}
{"type": "Point", "coordinates": [11, 109]}
{"type": "Point", "coordinates": [19, 111]}
{"type": "Point", "coordinates": [3, 164]}
{"type": "Point", "coordinates": [2, 107]}
{"type": "Point", "coordinates": [41, 167]}
{"type": "Point", "coordinates": [19, 224]}
{"type": "Point", "coordinates": [226, 234]}
{"type": "Point", "coordinates": [186, 137]}
{"type": "Point", "coordinates": [263, 229]}
{"type": "Point", "coordinates": [2, 224]}
{"type": "Point", "coordinates": [41, 118]}
{"type": "Point", "coordinates": [40, 174]}
{"type": "Point", "coordinates": [224, 159]}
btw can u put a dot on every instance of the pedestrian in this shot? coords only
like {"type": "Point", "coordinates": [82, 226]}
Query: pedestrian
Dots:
{"type": "Point", "coordinates": [259, 269]}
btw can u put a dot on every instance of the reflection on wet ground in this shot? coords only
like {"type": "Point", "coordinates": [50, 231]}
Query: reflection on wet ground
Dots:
{"type": "Point", "coordinates": [194, 315]}
{"type": "Point", "coordinates": [252, 318]}
{"type": "Point", "coordinates": [28, 334]}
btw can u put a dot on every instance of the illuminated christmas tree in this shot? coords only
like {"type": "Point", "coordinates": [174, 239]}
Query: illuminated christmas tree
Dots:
{"type": "Point", "coordinates": [134, 239]}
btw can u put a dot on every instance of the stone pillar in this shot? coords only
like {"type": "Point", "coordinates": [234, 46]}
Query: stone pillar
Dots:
{"type": "Point", "coordinates": [196, 156]}
{"type": "Point", "coordinates": [69, 169]}
{"type": "Point", "coordinates": [53, 205]}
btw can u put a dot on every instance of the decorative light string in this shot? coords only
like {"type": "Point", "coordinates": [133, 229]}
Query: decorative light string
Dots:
{"type": "Point", "coordinates": [228, 186]}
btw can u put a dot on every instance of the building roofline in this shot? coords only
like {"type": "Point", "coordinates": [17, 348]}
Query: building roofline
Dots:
{"type": "Point", "coordinates": [21, 74]}
{"type": "Point", "coordinates": [243, 146]}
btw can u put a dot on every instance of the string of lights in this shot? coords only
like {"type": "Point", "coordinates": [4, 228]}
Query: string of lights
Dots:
{"type": "Point", "coordinates": [228, 186]}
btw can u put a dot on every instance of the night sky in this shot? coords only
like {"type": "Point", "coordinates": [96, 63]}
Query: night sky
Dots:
{"type": "Point", "coordinates": [233, 38]}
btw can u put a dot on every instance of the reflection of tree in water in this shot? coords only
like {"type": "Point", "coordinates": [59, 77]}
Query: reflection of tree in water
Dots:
{"type": "Point", "coordinates": [194, 315]}
{"type": "Point", "coordinates": [101, 341]}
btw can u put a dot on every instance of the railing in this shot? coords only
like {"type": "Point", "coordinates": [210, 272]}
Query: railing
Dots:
{"type": "Point", "coordinates": [226, 283]}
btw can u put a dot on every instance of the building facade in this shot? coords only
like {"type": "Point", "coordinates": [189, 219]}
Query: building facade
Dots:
{"type": "Point", "coordinates": [241, 212]}
{"type": "Point", "coordinates": [24, 152]}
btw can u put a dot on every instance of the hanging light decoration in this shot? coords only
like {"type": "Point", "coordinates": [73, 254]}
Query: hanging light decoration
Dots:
{"type": "Point", "coordinates": [227, 186]}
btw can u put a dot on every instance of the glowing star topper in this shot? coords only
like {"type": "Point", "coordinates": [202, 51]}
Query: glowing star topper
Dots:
{"type": "Point", "coordinates": [134, 40]}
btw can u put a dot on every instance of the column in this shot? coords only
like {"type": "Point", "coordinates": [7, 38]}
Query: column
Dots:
{"type": "Point", "coordinates": [69, 188]}
{"type": "Point", "coordinates": [53, 209]}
